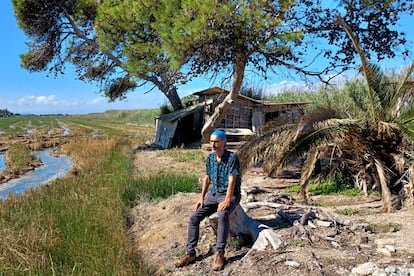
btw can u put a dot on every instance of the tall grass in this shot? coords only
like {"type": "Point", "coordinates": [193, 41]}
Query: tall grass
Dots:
{"type": "Point", "coordinates": [329, 186]}
{"type": "Point", "coordinates": [333, 97]}
{"type": "Point", "coordinates": [74, 226]}
{"type": "Point", "coordinates": [160, 186]}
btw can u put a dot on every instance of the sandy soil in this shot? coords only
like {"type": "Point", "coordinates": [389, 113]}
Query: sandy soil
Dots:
{"type": "Point", "coordinates": [160, 230]}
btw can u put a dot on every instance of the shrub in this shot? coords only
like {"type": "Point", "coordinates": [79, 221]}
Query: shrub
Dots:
{"type": "Point", "coordinates": [335, 186]}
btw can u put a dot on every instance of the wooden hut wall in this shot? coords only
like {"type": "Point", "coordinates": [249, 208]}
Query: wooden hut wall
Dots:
{"type": "Point", "coordinates": [283, 112]}
{"type": "Point", "coordinates": [165, 133]}
{"type": "Point", "coordinates": [238, 116]}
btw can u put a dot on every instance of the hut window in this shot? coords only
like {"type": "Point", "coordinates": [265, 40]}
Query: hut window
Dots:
{"type": "Point", "coordinates": [271, 116]}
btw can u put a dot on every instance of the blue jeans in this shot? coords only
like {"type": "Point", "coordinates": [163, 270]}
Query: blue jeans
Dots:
{"type": "Point", "coordinates": [210, 206]}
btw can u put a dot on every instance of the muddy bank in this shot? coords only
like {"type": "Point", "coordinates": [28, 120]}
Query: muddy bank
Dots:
{"type": "Point", "coordinates": [49, 164]}
{"type": "Point", "coordinates": [36, 142]}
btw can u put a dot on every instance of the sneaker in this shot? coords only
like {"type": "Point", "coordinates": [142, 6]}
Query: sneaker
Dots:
{"type": "Point", "coordinates": [185, 260]}
{"type": "Point", "coordinates": [219, 261]}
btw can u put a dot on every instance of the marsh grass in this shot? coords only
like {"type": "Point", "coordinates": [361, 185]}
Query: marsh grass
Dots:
{"type": "Point", "coordinates": [138, 125]}
{"type": "Point", "coordinates": [19, 159]}
{"type": "Point", "coordinates": [160, 186]}
{"type": "Point", "coordinates": [77, 225]}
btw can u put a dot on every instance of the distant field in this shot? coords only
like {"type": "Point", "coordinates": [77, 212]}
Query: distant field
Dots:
{"type": "Point", "coordinates": [133, 124]}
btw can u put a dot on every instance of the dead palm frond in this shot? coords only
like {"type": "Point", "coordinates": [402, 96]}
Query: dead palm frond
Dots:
{"type": "Point", "coordinates": [385, 191]}
{"type": "Point", "coordinates": [323, 133]}
{"type": "Point", "coordinates": [267, 147]}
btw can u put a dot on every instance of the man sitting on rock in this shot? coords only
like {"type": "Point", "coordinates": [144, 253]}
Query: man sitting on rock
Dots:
{"type": "Point", "coordinates": [223, 172]}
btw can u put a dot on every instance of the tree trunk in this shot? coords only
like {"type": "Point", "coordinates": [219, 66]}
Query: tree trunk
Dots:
{"type": "Point", "coordinates": [242, 225]}
{"type": "Point", "coordinates": [222, 109]}
{"type": "Point", "coordinates": [173, 98]}
{"type": "Point", "coordinates": [262, 235]}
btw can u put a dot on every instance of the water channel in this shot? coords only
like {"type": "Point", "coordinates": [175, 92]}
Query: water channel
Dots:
{"type": "Point", "coordinates": [52, 168]}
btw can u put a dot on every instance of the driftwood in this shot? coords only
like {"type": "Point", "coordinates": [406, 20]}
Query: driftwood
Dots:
{"type": "Point", "coordinates": [308, 223]}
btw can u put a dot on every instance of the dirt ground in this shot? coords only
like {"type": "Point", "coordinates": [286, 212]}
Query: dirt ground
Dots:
{"type": "Point", "coordinates": [160, 230]}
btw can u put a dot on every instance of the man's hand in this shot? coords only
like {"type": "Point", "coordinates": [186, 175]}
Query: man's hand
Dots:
{"type": "Point", "coordinates": [223, 205]}
{"type": "Point", "coordinates": [199, 203]}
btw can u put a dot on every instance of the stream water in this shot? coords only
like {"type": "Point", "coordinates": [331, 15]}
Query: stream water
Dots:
{"type": "Point", "coordinates": [2, 164]}
{"type": "Point", "coordinates": [52, 168]}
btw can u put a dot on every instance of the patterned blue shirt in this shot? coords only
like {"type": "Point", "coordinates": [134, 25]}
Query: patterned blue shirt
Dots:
{"type": "Point", "coordinates": [219, 171]}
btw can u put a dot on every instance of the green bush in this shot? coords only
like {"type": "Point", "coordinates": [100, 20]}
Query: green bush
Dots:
{"type": "Point", "coordinates": [336, 186]}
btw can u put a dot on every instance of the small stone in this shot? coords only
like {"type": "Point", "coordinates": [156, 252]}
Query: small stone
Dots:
{"type": "Point", "coordinates": [343, 221]}
{"type": "Point", "coordinates": [392, 269]}
{"type": "Point", "coordinates": [292, 263]}
{"type": "Point", "coordinates": [365, 269]}
{"type": "Point", "coordinates": [390, 248]}
{"type": "Point", "coordinates": [324, 223]}
{"type": "Point", "coordinates": [384, 252]}
{"type": "Point", "coordinates": [312, 225]}
{"type": "Point", "coordinates": [384, 241]}
{"type": "Point", "coordinates": [335, 244]}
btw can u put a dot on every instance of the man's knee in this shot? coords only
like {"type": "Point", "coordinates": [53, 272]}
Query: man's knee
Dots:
{"type": "Point", "coordinates": [194, 219]}
{"type": "Point", "coordinates": [223, 215]}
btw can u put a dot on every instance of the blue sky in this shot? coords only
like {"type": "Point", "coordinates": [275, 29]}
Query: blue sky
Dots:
{"type": "Point", "coordinates": [38, 93]}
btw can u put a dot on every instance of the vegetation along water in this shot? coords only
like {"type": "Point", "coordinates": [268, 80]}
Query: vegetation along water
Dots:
{"type": "Point", "coordinates": [77, 225]}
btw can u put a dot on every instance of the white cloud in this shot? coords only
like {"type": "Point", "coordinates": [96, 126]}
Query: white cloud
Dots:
{"type": "Point", "coordinates": [40, 100]}
{"type": "Point", "coordinates": [52, 104]}
{"type": "Point", "coordinates": [99, 100]}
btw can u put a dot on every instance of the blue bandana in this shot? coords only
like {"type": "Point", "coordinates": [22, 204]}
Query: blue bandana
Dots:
{"type": "Point", "coordinates": [219, 133]}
